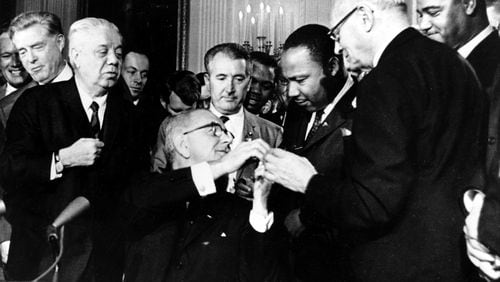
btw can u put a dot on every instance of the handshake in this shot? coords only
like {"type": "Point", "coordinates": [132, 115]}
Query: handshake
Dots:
{"type": "Point", "coordinates": [274, 165]}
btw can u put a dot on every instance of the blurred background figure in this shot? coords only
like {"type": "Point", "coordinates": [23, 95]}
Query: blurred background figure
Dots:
{"type": "Point", "coordinates": [262, 85]}
{"type": "Point", "coordinates": [493, 11]}
{"type": "Point", "coordinates": [182, 92]}
{"type": "Point", "coordinates": [179, 94]}
{"type": "Point", "coordinates": [204, 101]}
{"type": "Point", "coordinates": [135, 72]}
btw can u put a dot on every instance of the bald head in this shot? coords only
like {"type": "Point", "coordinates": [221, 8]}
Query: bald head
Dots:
{"type": "Point", "coordinates": [193, 137]}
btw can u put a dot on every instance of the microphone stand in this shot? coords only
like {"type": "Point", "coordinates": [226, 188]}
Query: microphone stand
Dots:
{"type": "Point", "coordinates": [58, 256]}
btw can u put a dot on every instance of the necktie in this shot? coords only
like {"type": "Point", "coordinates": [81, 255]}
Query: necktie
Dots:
{"type": "Point", "coordinates": [316, 124]}
{"type": "Point", "coordinates": [224, 119]}
{"type": "Point", "coordinates": [94, 121]}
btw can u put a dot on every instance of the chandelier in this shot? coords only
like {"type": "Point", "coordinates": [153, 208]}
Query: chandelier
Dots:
{"type": "Point", "coordinates": [262, 30]}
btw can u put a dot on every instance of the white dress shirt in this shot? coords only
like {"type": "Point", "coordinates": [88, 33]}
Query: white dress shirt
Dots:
{"type": "Point", "coordinates": [472, 44]}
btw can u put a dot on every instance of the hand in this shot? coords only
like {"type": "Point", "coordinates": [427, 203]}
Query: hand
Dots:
{"type": "Point", "coordinates": [293, 223]}
{"type": "Point", "coordinates": [288, 169]}
{"type": "Point", "coordinates": [83, 152]}
{"type": "Point", "coordinates": [260, 191]}
{"type": "Point", "coordinates": [479, 255]}
{"type": "Point", "coordinates": [243, 187]}
{"type": "Point", "coordinates": [233, 160]}
{"type": "Point", "coordinates": [4, 251]}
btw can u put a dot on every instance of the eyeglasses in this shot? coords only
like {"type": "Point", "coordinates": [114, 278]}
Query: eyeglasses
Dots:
{"type": "Point", "coordinates": [215, 128]}
{"type": "Point", "coordinates": [334, 32]}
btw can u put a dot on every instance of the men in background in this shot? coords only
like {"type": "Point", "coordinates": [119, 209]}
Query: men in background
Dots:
{"type": "Point", "coordinates": [181, 93]}
{"type": "Point", "coordinates": [39, 38]}
{"type": "Point", "coordinates": [262, 85]}
{"type": "Point", "coordinates": [228, 67]}
{"type": "Point", "coordinates": [213, 238]}
{"type": "Point", "coordinates": [17, 80]}
{"type": "Point", "coordinates": [135, 72]}
{"type": "Point", "coordinates": [318, 121]}
{"type": "Point", "coordinates": [416, 145]}
{"type": "Point", "coordinates": [68, 139]}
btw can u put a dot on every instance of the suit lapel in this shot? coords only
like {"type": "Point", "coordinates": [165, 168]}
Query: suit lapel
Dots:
{"type": "Point", "coordinates": [75, 111]}
{"type": "Point", "coordinates": [112, 119]}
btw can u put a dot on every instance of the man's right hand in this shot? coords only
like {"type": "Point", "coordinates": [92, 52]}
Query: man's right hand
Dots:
{"type": "Point", "coordinates": [83, 152]}
{"type": "Point", "coordinates": [233, 160]}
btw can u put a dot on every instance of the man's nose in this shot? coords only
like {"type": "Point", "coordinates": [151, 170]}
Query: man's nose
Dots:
{"type": "Point", "coordinates": [424, 23]}
{"type": "Point", "coordinates": [113, 58]}
{"type": "Point", "coordinates": [31, 57]}
{"type": "Point", "coordinates": [230, 85]}
{"type": "Point", "coordinates": [137, 78]}
{"type": "Point", "coordinates": [293, 90]}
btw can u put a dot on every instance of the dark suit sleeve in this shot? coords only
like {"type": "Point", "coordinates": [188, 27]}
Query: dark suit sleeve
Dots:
{"type": "Point", "coordinates": [380, 168]}
{"type": "Point", "coordinates": [22, 159]}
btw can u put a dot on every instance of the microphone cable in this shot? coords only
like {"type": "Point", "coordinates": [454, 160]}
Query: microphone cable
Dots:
{"type": "Point", "coordinates": [56, 261]}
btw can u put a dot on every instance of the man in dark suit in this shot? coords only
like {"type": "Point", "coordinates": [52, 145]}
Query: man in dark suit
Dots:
{"type": "Point", "coordinates": [197, 231]}
{"type": "Point", "coordinates": [465, 27]}
{"type": "Point", "coordinates": [65, 140]}
{"type": "Point", "coordinates": [17, 80]}
{"type": "Point", "coordinates": [416, 145]}
{"type": "Point", "coordinates": [228, 78]}
{"type": "Point", "coordinates": [317, 123]}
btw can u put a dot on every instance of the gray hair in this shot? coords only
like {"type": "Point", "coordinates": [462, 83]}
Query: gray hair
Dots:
{"type": "Point", "coordinates": [49, 21]}
{"type": "Point", "coordinates": [88, 26]}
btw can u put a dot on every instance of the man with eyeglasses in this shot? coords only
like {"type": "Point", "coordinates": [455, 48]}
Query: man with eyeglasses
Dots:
{"type": "Point", "coordinates": [197, 230]}
{"type": "Point", "coordinates": [416, 145]}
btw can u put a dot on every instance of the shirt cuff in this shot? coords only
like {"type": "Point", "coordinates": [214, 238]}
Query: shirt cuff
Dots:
{"type": "Point", "coordinates": [261, 223]}
{"type": "Point", "coordinates": [203, 179]}
{"type": "Point", "coordinates": [53, 172]}
{"type": "Point", "coordinates": [469, 197]}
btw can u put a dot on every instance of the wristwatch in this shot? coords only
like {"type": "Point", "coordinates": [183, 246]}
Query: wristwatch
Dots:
{"type": "Point", "coordinates": [58, 163]}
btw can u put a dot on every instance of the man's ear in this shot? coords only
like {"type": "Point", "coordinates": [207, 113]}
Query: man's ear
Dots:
{"type": "Point", "coordinates": [206, 77]}
{"type": "Point", "coordinates": [367, 17]}
{"type": "Point", "coordinates": [181, 146]}
{"type": "Point", "coordinates": [73, 57]}
{"type": "Point", "coordinates": [469, 6]}
{"type": "Point", "coordinates": [333, 66]}
{"type": "Point", "coordinates": [60, 41]}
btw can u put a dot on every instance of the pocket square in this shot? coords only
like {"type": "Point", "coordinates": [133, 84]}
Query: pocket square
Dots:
{"type": "Point", "coordinates": [345, 131]}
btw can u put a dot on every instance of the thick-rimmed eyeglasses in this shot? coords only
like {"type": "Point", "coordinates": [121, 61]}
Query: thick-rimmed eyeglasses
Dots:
{"type": "Point", "coordinates": [334, 32]}
{"type": "Point", "coordinates": [215, 128]}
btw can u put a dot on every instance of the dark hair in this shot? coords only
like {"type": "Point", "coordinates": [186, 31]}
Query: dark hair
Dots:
{"type": "Point", "coordinates": [264, 59]}
{"type": "Point", "coordinates": [201, 78]}
{"type": "Point", "coordinates": [48, 20]}
{"type": "Point", "coordinates": [232, 50]}
{"type": "Point", "coordinates": [315, 38]}
{"type": "Point", "coordinates": [185, 84]}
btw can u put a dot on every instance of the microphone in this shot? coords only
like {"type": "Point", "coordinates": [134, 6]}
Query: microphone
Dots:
{"type": "Point", "coordinates": [3, 209]}
{"type": "Point", "coordinates": [72, 210]}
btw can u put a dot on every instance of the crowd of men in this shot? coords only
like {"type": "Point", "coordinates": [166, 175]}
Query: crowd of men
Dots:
{"type": "Point", "coordinates": [367, 151]}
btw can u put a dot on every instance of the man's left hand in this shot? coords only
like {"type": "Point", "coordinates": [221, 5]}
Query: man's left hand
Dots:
{"type": "Point", "coordinates": [290, 170]}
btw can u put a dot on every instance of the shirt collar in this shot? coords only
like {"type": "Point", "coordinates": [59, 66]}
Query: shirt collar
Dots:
{"type": "Point", "coordinates": [87, 99]}
{"type": "Point", "coordinates": [65, 75]}
{"type": "Point", "coordinates": [234, 117]}
{"type": "Point", "coordinates": [9, 89]}
{"type": "Point", "coordinates": [469, 46]}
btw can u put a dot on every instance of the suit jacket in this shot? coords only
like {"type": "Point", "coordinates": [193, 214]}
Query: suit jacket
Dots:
{"type": "Point", "coordinates": [210, 240]}
{"type": "Point", "coordinates": [485, 59]}
{"type": "Point", "coordinates": [416, 145]}
{"type": "Point", "coordinates": [6, 104]}
{"type": "Point", "coordinates": [317, 253]}
{"type": "Point", "coordinates": [44, 120]}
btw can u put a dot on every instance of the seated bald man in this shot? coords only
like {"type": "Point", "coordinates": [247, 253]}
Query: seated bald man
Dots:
{"type": "Point", "coordinates": [192, 229]}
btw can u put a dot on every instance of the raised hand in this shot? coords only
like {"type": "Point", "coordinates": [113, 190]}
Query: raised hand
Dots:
{"type": "Point", "coordinates": [290, 170]}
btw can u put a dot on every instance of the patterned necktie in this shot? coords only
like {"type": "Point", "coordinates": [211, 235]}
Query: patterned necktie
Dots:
{"type": "Point", "coordinates": [224, 119]}
{"type": "Point", "coordinates": [316, 124]}
{"type": "Point", "coordinates": [94, 121]}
